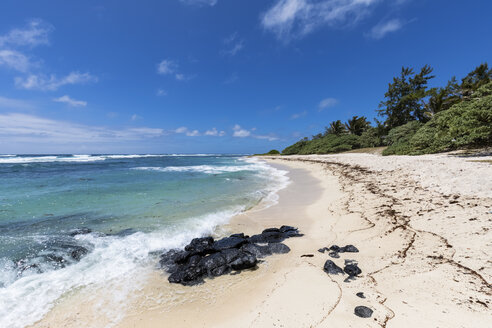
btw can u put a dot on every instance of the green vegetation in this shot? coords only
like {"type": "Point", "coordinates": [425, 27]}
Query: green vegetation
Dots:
{"type": "Point", "coordinates": [416, 119]}
{"type": "Point", "coordinates": [272, 152]}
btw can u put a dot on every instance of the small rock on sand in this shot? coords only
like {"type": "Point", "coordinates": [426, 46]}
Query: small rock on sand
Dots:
{"type": "Point", "coordinates": [331, 268]}
{"type": "Point", "coordinates": [363, 311]}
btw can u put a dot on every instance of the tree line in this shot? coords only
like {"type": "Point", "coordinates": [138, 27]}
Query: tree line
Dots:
{"type": "Point", "coordinates": [415, 119]}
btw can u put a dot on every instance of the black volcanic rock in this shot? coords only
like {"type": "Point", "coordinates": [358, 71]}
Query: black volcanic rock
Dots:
{"type": "Point", "coordinates": [200, 246]}
{"type": "Point", "coordinates": [363, 311]}
{"type": "Point", "coordinates": [331, 268]}
{"type": "Point", "coordinates": [352, 270]}
{"type": "Point", "coordinates": [228, 242]}
{"type": "Point", "coordinates": [348, 249]}
{"type": "Point", "coordinates": [204, 257]}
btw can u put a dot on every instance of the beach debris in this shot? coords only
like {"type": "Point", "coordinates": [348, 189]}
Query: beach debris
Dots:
{"type": "Point", "coordinates": [363, 311]}
{"type": "Point", "coordinates": [331, 268]}
{"type": "Point", "coordinates": [361, 295]}
{"type": "Point", "coordinates": [206, 257]}
{"type": "Point", "coordinates": [322, 250]}
{"type": "Point", "coordinates": [307, 255]}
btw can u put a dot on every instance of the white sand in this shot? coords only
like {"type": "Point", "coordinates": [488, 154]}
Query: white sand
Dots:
{"type": "Point", "coordinates": [422, 225]}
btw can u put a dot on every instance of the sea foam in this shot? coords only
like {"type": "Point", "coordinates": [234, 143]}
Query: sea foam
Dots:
{"type": "Point", "coordinates": [25, 300]}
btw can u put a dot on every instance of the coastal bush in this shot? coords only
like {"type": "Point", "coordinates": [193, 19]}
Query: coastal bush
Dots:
{"type": "Point", "coordinates": [295, 148]}
{"type": "Point", "coordinates": [330, 143]}
{"type": "Point", "coordinates": [466, 124]}
{"type": "Point", "coordinates": [273, 152]}
{"type": "Point", "coordinates": [398, 139]}
{"type": "Point", "coordinates": [371, 138]}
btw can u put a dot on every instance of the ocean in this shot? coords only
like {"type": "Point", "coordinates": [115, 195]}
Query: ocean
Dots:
{"type": "Point", "coordinates": [70, 221]}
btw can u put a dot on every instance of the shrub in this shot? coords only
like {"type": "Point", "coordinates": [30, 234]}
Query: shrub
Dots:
{"type": "Point", "coordinates": [331, 144]}
{"type": "Point", "coordinates": [273, 152]}
{"type": "Point", "coordinates": [466, 124]}
{"type": "Point", "coordinates": [399, 138]}
{"type": "Point", "coordinates": [295, 148]}
{"type": "Point", "coordinates": [371, 138]}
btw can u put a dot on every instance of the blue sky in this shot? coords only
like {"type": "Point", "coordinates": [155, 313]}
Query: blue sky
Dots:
{"type": "Point", "coordinates": [214, 76]}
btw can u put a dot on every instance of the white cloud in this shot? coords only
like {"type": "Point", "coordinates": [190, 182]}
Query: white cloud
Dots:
{"type": "Point", "coordinates": [167, 67]}
{"type": "Point", "coordinates": [298, 115]}
{"type": "Point", "coordinates": [35, 33]}
{"type": "Point", "coordinates": [70, 101]}
{"type": "Point", "coordinates": [380, 30]}
{"type": "Point", "coordinates": [289, 19]}
{"type": "Point", "coordinates": [215, 133]}
{"type": "Point", "coordinates": [135, 117]}
{"type": "Point", "coordinates": [240, 132]}
{"type": "Point", "coordinates": [210, 3]}
{"type": "Point", "coordinates": [326, 103]}
{"type": "Point", "coordinates": [183, 77]}
{"type": "Point", "coordinates": [189, 133]}
{"type": "Point", "coordinates": [10, 103]}
{"type": "Point", "coordinates": [233, 44]}
{"type": "Point", "coordinates": [16, 127]}
{"type": "Point", "coordinates": [41, 82]}
{"type": "Point", "coordinates": [161, 92]}
{"type": "Point", "coordinates": [15, 60]}
{"type": "Point", "coordinates": [266, 137]}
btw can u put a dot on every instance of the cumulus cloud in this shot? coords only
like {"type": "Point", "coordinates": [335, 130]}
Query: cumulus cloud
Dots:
{"type": "Point", "coordinates": [15, 60]}
{"type": "Point", "coordinates": [41, 82]}
{"type": "Point", "coordinates": [70, 101]}
{"type": "Point", "coordinates": [289, 19]}
{"type": "Point", "coordinates": [215, 133]}
{"type": "Point", "coordinates": [16, 127]}
{"type": "Point", "coordinates": [167, 67]}
{"type": "Point", "coordinates": [187, 132]}
{"type": "Point", "coordinates": [33, 34]}
{"type": "Point", "coordinates": [380, 30]}
{"type": "Point", "coordinates": [327, 103]}
{"type": "Point", "coordinates": [239, 132]}
{"type": "Point", "coordinates": [210, 3]}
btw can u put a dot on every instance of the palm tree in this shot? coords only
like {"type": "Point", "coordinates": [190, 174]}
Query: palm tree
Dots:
{"type": "Point", "coordinates": [442, 98]}
{"type": "Point", "coordinates": [336, 128]}
{"type": "Point", "coordinates": [357, 125]}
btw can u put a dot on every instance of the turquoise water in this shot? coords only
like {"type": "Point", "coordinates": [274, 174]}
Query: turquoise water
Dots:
{"type": "Point", "coordinates": [133, 205]}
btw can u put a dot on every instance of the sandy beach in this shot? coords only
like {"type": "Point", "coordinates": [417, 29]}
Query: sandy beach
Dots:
{"type": "Point", "coordinates": [421, 225]}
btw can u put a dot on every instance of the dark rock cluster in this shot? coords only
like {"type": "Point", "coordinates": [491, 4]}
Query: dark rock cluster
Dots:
{"type": "Point", "coordinates": [206, 257]}
{"type": "Point", "coordinates": [334, 250]}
